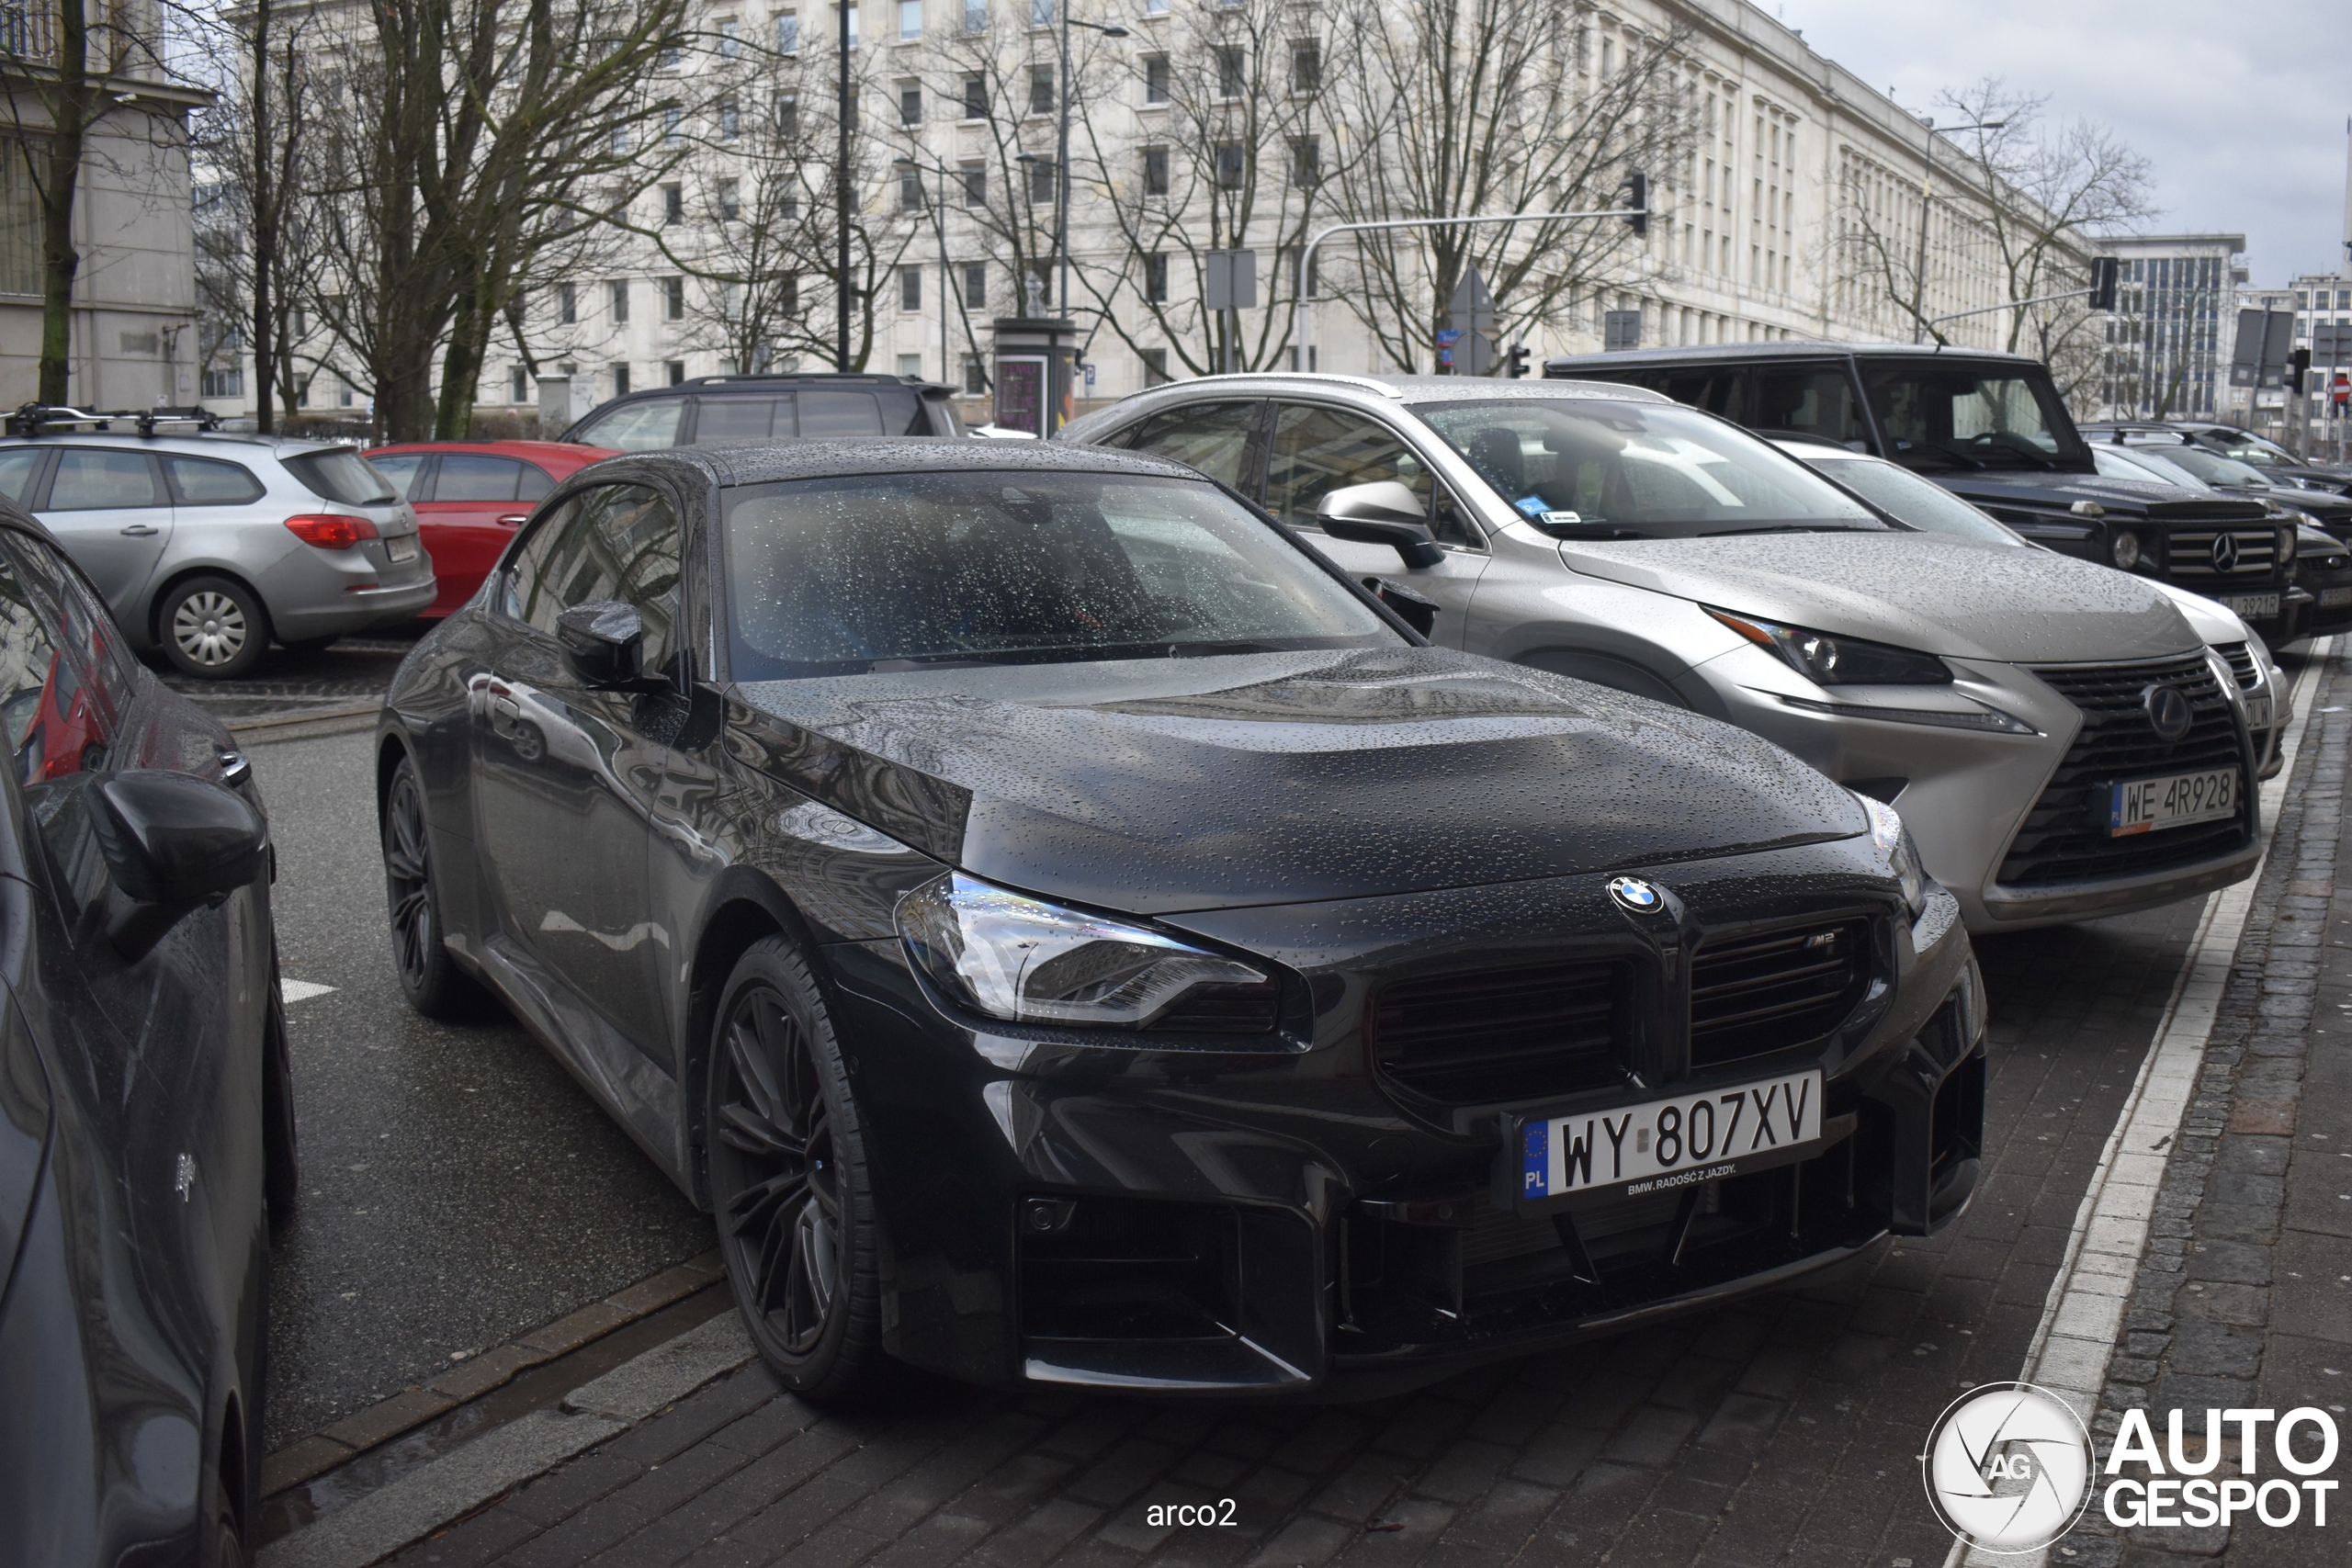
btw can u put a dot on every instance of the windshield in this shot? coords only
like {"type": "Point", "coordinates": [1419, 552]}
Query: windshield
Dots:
{"type": "Point", "coordinates": [878, 573]}
{"type": "Point", "coordinates": [2115, 463]}
{"type": "Point", "coordinates": [341, 475]}
{"type": "Point", "coordinates": [1607, 469]}
{"type": "Point", "coordinates": [2248, 448]}
{"type": "Point", "coordinates": [1910, 500]}
{"type": "Point", "coordinates": [2214, 468]}
{"type": "Point", "coordinates": [1951, 416]}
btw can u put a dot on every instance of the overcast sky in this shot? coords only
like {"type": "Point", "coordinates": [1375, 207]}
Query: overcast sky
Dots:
{"type": "Point", "coordinates": [2240, 106]}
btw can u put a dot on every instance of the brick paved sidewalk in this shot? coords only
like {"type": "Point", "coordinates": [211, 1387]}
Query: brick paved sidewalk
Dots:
{"type": "Point", "coordinates": [2243, 1300]}
{"type": "Point", "coordinates": [1783, 1429]}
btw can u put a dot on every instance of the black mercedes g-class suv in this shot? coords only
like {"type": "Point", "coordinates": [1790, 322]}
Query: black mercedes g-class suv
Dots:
{"type": "Point", "coordinates": [780, 407]}
{"type": "Point", "coordinates": [1992, 429]}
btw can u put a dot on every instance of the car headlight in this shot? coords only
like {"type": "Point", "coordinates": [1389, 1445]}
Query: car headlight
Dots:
{"type": "Point", "coordinates": [1011, 956]}
{"type": "Point", "coordinates": [2125, 550]}
{"type": "Point", "coordinates": [2286, 544]}
{"type": "Point", "coordinates": [1838, 661]}
{"type": "Point", "coordinates": [1893, 841]}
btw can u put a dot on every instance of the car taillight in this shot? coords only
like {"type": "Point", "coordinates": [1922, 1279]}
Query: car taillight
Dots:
{"type": "Point", "coordinates": [329, 531]}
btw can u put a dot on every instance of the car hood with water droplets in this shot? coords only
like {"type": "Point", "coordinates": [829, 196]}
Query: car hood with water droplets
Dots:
{"type": "Point", "coordinates": [1160, 785]}
{"type": "Point", "coordinates": [1946, 596]}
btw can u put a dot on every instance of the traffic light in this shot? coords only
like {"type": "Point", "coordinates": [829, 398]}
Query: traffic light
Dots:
{"type": "Point", "coordinates": [1517, 361]}
{"type": "Point", "coordinates": [1640, 183]}
{"type": "Point", "coordinates": [2104, 271]}
{"type": "Point", "coordinates": [2298, 363]}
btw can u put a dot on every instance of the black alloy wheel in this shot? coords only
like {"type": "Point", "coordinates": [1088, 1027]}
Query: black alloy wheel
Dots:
{"type": "Point", "coordinates": [787, 1178]}
{"type": "Point", "coordinates": [429, 976]}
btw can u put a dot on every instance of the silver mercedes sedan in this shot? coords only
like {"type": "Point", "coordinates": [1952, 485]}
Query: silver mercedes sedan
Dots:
{"type": "Point", "coordinates": [2063, 739]}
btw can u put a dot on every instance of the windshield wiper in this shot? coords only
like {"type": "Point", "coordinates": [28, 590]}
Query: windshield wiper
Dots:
{"type": "Point", "coordinates": [1792, 528]}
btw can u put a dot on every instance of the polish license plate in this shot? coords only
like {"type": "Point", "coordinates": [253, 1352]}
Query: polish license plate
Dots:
{"type": "Point", "coordinates": [402, 549]}
{"type": "Point", "coordinates": [2176, 800]}
{"type": "Point", "coordinates": [1672, 1143]}
{"type": "Point", "coordinates": [2261, 606]}
{"type": "Point", "coordinates": [2331, 598]}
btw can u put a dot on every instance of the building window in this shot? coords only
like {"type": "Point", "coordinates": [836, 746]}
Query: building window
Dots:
{"type": "Point", "coordinates": [1041, 281]}
{"type": "Point", "coordinates": [1155, 79]}
{"type": "Point", "coordinates": [674, 370]}
{"type": "Point", "coordinates": [975, 185]}
{"type": "Point", "coordinates": [787, 294]}
{"type": "Point", "coordinates": [910, 18]}
{"type": "Point", "coordinates": [975, 376]}
{"type": "Point", "coordinates": [620, 138]}
{"type": "Point", "coordinates": [976, 286]}
{"type": "Point", "coordinates": [1232, 70]}
{"type": "Point", "coordinates": [975, 16]}
{"type": "Point", "coordinates": [910, 190]}
{"type": "Point", "coordinates": [674, 205]}
{"type": "Point", "coordinates": [673, 118]}
{"type": "Point", "coordinates": [1041, 179]}
{"type": "Point", "coordinates": [567, 304]}
{"type": "Point", "coordinates": [730, 118]}
{"type": "Point", "coordinates": [1155, 277]}
{"type": "Point", "coordinates": [787, 32]}
{"type": "Point", "coordinates": [519, 385]}
{"type": "Point", "coordinates": [620, 381]}
{"type": "Point", "coordinates": [1306, 160]}
{"type": "Point", "coordinates": [1041, 13]}
{"type": "Point", "coordinates": [227, 381]}
{"type": "Point", "coordinates": [976, 98]}
{"type": "Point", "coordinates": [620, 301]}
{"type": "Point", "coordinates": [1155, 368]}
{"type": "Point", "coordinates": [731, 38]}
{"type": "Point", "coordinates": [1232, 164]}
{"type": "Point", "coordinates": [910, 288]}
{"type": "Point", "coordinates": [1306, 67]}
{"type": "Point", "coordinates": [19, 214]}
{"type": "Point", "coordinates": [674, 299]}
{"type": "Point", "coordinates": [852, 26]}
{"type": "Point", "coordinates": [730, 200]}
{"type": "Point", "coordinates": [1154, 171]}
{"type": "Point", "coordinates": [910, 103]}
{"type": "Point", "coordinates": [1041, 89]}
{"type": "Point", "coordinates": [1155, 7]}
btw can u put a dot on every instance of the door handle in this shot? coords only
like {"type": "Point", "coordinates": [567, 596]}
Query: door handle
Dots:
{"type": "Point", "coordinates": [140, 530]}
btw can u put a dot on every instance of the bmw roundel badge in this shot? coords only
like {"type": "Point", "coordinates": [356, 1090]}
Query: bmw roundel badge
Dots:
{"type": "Point", "coordinates": [1634, 895]}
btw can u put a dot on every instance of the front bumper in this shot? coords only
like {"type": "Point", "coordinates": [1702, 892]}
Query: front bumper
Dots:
{"type": "Point", "coordinates": [1218, 1222]}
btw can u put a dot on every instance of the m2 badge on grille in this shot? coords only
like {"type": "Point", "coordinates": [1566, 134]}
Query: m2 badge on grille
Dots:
{"type": "Point", "coordinates": [1668, 1143]}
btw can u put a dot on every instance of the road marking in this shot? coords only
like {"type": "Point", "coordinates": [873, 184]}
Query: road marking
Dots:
{"type": "Point", "coordinates": [292, 991]}
{"type": "Point", "coordinates": [2083, 1316]}
{"type": "Point", "coordinates": [374, 1526]}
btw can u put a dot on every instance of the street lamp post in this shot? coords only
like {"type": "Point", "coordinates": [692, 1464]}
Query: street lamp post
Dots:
{"type": "Point", "coordinates": [841, 196]}
{"type": "Point", "coordinates": [1061, 153]}
{"type": "Point", "coordinates": [1920, 259]}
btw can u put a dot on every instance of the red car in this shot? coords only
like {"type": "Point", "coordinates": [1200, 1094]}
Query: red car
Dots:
{"type": "Point", "coordinates": [470, 496]}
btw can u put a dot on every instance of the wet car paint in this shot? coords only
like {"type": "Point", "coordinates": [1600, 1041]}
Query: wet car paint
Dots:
{"type": "Point", "coordinates": [1354, 819]}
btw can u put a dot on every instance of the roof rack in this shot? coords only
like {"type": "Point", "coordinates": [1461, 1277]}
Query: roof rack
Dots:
{"type": "Point", "coordinates": [877, 376]}
{"type": "Point", "coordinates": [41, 419]}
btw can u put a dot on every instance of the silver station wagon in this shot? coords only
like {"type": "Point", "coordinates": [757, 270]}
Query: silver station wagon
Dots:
{"type": "Point", "coordinates": [2063, 739]}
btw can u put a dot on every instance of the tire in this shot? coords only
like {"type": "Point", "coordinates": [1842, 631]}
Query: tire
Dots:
{"type": "Point", "coordinates": [429, 976]}
{"type": "Point", "coordinates": [788, 1182]}
{"type": "Point", "coordinates": [281, 1168]}
{"type": "Point", "coordinates": [212, 627]}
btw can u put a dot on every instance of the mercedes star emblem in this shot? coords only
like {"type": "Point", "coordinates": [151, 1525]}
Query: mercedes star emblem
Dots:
{"type": "Point", "coordinates": [2226, 552]}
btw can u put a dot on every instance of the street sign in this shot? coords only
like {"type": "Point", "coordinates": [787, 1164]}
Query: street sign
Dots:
{"type": "Point", "coordinates": [1621, 329]}
{"type": "Point", "coordinates": [1231, 283]}
{"type": "Point", "coordinates": [2332, 343]}
{"type": "Point", "coordinates": [1472, 309]}
{"type": "Point", "coordinates": [2260, 356]}
{"type": "Point", "coordinates": [1089, 372]}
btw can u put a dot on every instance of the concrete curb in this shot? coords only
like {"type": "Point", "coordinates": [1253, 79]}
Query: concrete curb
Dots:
{"type": "Point", "coordinates": [2082, 1317]}
{"type": "Point", "coordinates": [376, 1526]}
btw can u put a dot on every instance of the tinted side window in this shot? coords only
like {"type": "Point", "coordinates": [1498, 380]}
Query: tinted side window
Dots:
{"type": "Point", "coordinates": [1317, 450]}
{"type": "Point", "coordinates": [57, 720]}
{"type": "Point", "coordinates": [17, 466]}
{"type": "Point", "coordinates": [530, 591]}
{"type": "Point", "coordinates": [400, 471]}
{"type": "Point", "coordinates": [465, 476]}
{"type": "Point", "coordinates": [90, 480]}
{"type": "Point", "coordinates": [826, 412]}
{"type": "Point", "coordinates": [535, 483]}
{"type": "Point", "coordinates": [636, 427]}
{"type": "Point", "coordinates": [1816, 401]}
{"type": "Point", "coordinates": [615, 542]}
{"type": "Point", "coordinates": [1717, 391]}
{"type": "Point", "coordinates": [1211, 437]}
{"type": "Point", "coordinates": [203, 481]}
{"type": "Point", "coordinates": [75, 611]}
{"type": "Point", "coordinates": [742, 419]}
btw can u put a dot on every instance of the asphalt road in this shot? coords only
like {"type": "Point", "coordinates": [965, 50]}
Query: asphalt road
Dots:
{"type": "Point", "coordinates": [458, 1188]}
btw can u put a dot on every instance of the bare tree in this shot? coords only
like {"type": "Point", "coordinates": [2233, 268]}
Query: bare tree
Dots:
{"type": "Point", "coordinates": [1238, 160]}
{"type": "Point", "coordinates": [1491, 108]}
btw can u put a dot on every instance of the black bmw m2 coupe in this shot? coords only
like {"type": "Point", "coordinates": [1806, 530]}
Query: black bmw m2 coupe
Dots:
{"type": "Point", "coordinates": [1067, 932]}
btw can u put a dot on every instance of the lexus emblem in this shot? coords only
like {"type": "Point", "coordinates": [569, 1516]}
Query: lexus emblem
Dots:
{"type": "Point", "coordinates": [1634, 895]}
{"type": "Point", "coordinates": [2169, 714]}
{"type": "Point", "coordinates": [2226, 552]}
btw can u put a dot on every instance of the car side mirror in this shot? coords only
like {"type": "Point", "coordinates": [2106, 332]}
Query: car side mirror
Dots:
{"type": "Point", "coordinates": [604, 642]}
{"type": "Point", "coordinates": [172, 843]}
{"type": "Point", "coordinates": [1382, 513]}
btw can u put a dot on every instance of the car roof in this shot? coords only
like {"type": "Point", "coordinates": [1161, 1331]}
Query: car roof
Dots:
{"type": "Point", "coordinates": [1742, 352]}
{"type": "Point", "coordinates": [278, 445]}
{"type": "Point", "coordinates": [575, 453]}
{"type": "Point", "coordinates": [764, 462]}
{"type": "Point", "coordinates": [1378, 390]}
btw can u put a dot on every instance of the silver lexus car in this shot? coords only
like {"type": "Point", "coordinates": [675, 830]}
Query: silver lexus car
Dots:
{"type": "Point", "coordinates": [2063, 739]}
{"type": "Point", "coordinates": [210, 546]}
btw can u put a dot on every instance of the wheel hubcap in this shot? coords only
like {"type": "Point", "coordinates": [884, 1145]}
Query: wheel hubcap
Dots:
{"type": "Point", "coordinates": [407, 880]}
{"type": "Point", "coordinates": [209, 627]}
{"type": "Point", "coordinates": [772, 1160]}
